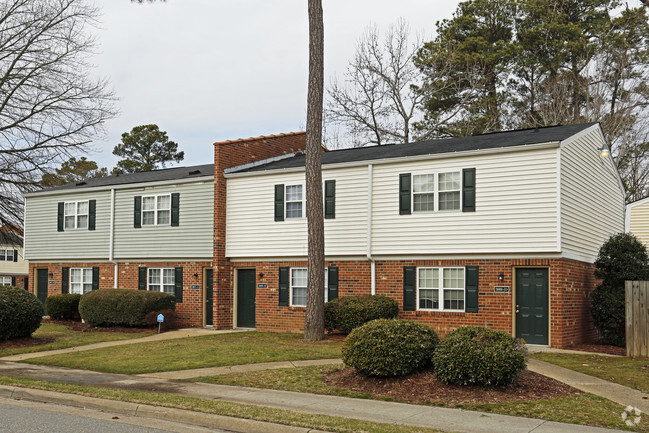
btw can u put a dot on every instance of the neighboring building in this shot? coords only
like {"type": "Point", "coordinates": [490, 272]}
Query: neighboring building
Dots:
{"type": "Point", "coordinates": [498, 230]}
{"type": "Point", "coordinates": [13, 267]}
{"type": "Point", "coordinates": [637, 220]}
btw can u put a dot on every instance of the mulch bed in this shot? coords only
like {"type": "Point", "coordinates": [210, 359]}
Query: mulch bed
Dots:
{"type": "Point", "coordinates": [424, 387]}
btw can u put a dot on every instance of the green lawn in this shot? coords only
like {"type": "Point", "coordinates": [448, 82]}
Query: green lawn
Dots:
{"type": "Point", "coordinates": [619, 369]}
{"type": "Point", "coordinates": [197, 352]}
{"type": "Point", "coordinates": [585, 409]}
{"type": "Point", "coordinates": [64, 337]}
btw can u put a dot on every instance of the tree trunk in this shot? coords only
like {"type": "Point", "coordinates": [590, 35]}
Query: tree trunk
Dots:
{"type": "Point", "coordinates": [314, 319]}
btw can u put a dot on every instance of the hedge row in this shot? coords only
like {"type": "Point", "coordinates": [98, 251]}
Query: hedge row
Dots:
{"type": "Point", "coordinates": [349, 312]}
{"type": "Point", "coordinates": [123, 307]}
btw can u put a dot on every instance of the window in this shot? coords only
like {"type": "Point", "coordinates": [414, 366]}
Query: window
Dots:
{"type": "Point", "coordinates": [298, 285]}
{"type": "Point", "coordinates": [5, 281]}
{"type": "Point", "coordinates": [449, 191]}
{"type": "Point", "coordinates": [294, 201]}
{"type": "Point", "coordinates": [7, 255]}
{"type": "Point", "coordinates": [423, 192]}
{"type": "Point", "coordinates": [80, 280]}
{"type": "Point", "coordinates": [75, 215]}
{"type": "Point", "coordinates": [447, 186]}
{"type": "Point", "coordinates": [440, 289]}
{"type": "Point", "coordinates": [162, 280]}
{"type": "Point", "coordinates": [156, 210]}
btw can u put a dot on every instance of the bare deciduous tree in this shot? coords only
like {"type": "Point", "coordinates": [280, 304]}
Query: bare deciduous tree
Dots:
{"type": "Point", "coordinates": [50, 108]}
{"type": "Point", "coordinates": [378, 98]}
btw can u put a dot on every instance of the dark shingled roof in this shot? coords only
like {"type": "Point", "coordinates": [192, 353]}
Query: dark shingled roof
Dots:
{"type": "Point", "coordinates": [175, 173]}
{"type": "Point", "coordinates": [431, 147]}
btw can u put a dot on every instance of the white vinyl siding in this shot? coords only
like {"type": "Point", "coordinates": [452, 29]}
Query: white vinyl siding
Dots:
{"type": "Point", "coordinates": [639, 221]}
{"type": "Point", "coordinates": [80, 280]}
{"type": "Point", "coordinates": [8, 266]}
{"type": "Point", "coordinates": [592, 200]}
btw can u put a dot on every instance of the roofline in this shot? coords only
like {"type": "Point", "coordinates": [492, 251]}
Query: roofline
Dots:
{"type": "Point", "coordinates": [261, 137]}
{"type": "Point", "coordinates": [431, 156]}
{"type": "Point", "coordinates": [120, 186]}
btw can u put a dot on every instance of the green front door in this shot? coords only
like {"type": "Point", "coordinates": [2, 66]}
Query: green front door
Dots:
{"type": "Point", "coordinates": [246, 298]}
{"type": "Point", "coordinates": [41, 285]}
{"type": "Point", "coordinates": [209, 296]}
{"type": "Point", "coordinates": [532, 305]}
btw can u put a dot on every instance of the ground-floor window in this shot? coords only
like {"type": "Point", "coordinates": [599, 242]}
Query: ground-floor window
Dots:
{"type": "Point", "coordinates": [162, 280]}
{"type": "Point", "coordinates": [298, 286]}
{"type": "Point", "coordinates": [440, 288]}
{"type": "Point", "coordinates": [80, 280]}
{"type": "Point", "coordinates": [5, 281]}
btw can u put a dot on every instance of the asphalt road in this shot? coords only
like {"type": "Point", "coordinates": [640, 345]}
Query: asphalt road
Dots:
{"type": "Point", "coordinates": [29, 417]}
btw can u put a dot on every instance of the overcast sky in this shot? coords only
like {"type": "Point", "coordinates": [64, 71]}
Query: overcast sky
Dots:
{"type": "Point", "coordinates": [214, 70]}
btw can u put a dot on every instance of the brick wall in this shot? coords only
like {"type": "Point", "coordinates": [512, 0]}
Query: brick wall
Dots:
{"type": "Point", "coordinates": [570, 285]}
{"type": "Point", "coordinates": [229, 154]}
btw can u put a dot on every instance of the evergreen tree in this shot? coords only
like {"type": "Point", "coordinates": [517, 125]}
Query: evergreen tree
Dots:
{"type": "Point", "coordinates": [145, 148]}
{"type": "Point", "coordinates": [72, 171]}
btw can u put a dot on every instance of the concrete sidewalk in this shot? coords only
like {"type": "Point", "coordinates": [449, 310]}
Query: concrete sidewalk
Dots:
{"type": "Point", "coordinates": [169, 335]}
{"type": "Point", "coordinates": [452, 420]}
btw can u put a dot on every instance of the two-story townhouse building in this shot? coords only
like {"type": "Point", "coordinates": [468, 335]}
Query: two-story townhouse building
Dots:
{"type": "Point", "coordinates": [637, 220]}
{"type": "Point", "coordinates": [498, 230]}
{"type": "Point", "coordinates": [152, 231]}
{"type": "Point", "coordinates": [13, 267]}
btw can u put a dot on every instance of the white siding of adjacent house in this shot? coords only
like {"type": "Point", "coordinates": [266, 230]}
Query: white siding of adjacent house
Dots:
{"type": "Point", "coordinates": [592, 198]}
{"type": "Point", "coordinates": [638, 220]}
{"type": "Point", "coordinates": [253, 232]}
{"type": "Point", "coordinates": [19, 267]}
{"type": "Point", "coordinates": [44, 242]}
{"type": "Point", "coordinates": [193, 238]}
{"type": "Point", "coordinates": [516, 211]}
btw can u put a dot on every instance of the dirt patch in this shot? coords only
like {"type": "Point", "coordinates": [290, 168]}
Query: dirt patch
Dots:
{"type": "Point", "coordinates": [599, 348]}
{"type": "Point", "coordinates": [335, 336]}
{"type": "Point", "coordinates": [77, 326]}
{"type": "Point", "coordinates": [24, 342]}
{"type": "Point", "coordinates": [424, 387]}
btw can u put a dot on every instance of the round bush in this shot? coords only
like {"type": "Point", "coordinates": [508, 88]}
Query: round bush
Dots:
{"type": "Point", "coordinates": [389, 347]}
{"type": "Point", "coordinates": [122, 307]}
{"type": "Point", "coordinates": [472, 355]}
{"type": "Point", "coordinates": [350, 312]}
{"type": "Point", "coordinates": [20, 313]}
{"type": "Point", "coordinates": [64, 306]}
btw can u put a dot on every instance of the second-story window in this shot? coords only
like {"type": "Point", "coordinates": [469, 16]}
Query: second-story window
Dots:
{"type": "Point", "coordinates": [449, 190]}
{"type": "Point", "coordinates": [75, 215]}
{"type": "Point", "coordinates": [156, 210]}
{"type": "Point", "coordinates": [294, 201]}
{"type": "Point", "coordinates": [7, 255]}
{"type": "Point", "coordinates": [423, 192]}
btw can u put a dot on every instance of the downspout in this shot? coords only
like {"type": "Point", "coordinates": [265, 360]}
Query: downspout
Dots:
{"type": "Point", "coordinates": [369, 229]}
{"type": "Point", "coordinates": [111, 239]}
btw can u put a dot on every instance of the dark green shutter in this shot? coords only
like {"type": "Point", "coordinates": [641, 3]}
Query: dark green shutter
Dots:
{"type": "Point", "coordinates": [65, 280]}
{"type": "Point", "coordinates": [471, 279]}
{"type": "Point", "coordinates": [283, 287]}
{"type": "Point", "coordinates": [404, 194]}
{"type": "Point", "coordinates": [13, 281]}
{"type": "Point", "coordinates": [141, 279]}
{"type": "Point", "coordinates": [15, 255]}
{"type": "Point", "coordinates": [178, 281]}
{"type": "Point", "coordinates": [409, 288]}
{"type": "Point", "coordinates": [332, 283]}
{"type": "Point", "coordinates": [330, 199]}
{"type": "Point", "coordinates": [95, 278]}
{"type": "Point", "coordinates": [59, 224]}
{"type": "Point", "coordinates": [175, 209]}
{"type": "Point", "coordinates": [279, 202]}
{"type": "Point", "coordinates": [92, 213]}
{"type": "Point", "coordinates": [137, 212]}
{"type": "Point", "coordinates": [468, 190]}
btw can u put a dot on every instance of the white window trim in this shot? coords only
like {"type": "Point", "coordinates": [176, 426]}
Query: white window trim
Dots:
{"type": "Point", "coordinates": [76, 214]}
{"type": "Point", "coordinates": [3, 281]}
{"type": "Point", "coordinates": [290, 285]}
{"type": "Point", "coordinates": [441, 288]}
{"type": "Point", "coordinates": [4, 254]}
{"type": "Point", "coordinates": [71, 285]}
{"type": "Point", "coordinates": [303, 201]}
{"type": "Point", "coordinates": [155, 210]}
{"type": "Point", "coordinates": [161, 285]}
{"type": "Point", "coordinates": [435, 191]}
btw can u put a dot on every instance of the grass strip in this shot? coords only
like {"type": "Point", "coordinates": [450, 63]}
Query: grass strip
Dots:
{"type": "Point", "coordinates": [278, 416]}
{"type": "Point", "coordinates": [196, 352]}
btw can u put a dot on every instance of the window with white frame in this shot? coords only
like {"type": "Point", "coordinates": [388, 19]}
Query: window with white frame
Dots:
{"type": "Point", "coordinates": [162, 280]}
{"type": "Point", "coordinates": [440, 289]}
{"type": "Point", "coordinates": [423, 192]}
{"type": "Point", "coordinates": [294, 201]}
{"type": "Point", "coordinates": [7, 255]}
{"type": "Point", "coordinates": [5, 281]}
{"type": "Point", "coordinates": [298, 286]}
{"type": "Point", "coordinates": [156, 210]}
{"type": "Point", "coordinates": [80, 280]}
{"type": "Point", "coordinates": [449, 186]}
{"type": "Point", "coordinates": [75, 215]}
{"type": "Point", "coordinates": [446, 185]}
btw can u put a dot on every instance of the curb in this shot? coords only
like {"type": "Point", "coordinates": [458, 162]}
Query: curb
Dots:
{"type": "Point", "coordinates": [147, 411]}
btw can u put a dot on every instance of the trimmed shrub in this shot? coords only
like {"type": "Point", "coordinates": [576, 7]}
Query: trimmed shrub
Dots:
{"type": "Point", "coordinates": [170, 322]}
{"type": "Point", "coordinates": [472, 355]}
{"type": "Point", "coordinates": [63, 306]}
{"type": "Point", "coordinates": [122, 307]}
{"type": "Point", "coordinates": [20, 313]}
{"type": "Point", "coordinates": [350, 312]}
{"type": "Point", "coordinates": [389, 347]}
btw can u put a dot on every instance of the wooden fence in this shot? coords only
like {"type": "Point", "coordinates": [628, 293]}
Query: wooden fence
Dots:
{"type": "Point", "coordinates": [637, 318]}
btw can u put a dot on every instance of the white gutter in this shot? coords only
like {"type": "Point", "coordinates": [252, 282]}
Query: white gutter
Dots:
{"type": "Point", "coordinates": [111, 235]}
{"type": "Point", "coordinates": [369, 228]}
